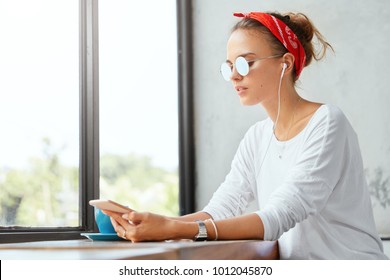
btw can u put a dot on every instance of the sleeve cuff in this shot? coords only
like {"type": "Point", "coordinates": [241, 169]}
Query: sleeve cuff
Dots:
{"type": "Point", "coordinates": [266, 226]}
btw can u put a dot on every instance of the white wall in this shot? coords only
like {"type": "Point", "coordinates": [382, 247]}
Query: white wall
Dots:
{"type": "Point", "coordinates": [356, 79]}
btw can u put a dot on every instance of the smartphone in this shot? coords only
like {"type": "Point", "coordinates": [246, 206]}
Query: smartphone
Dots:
{"type": "Point", "coordinates": [109, 205]}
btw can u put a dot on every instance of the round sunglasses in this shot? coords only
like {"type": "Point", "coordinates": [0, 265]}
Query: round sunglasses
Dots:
{"type": "Point", "coordinates": [242, 66]}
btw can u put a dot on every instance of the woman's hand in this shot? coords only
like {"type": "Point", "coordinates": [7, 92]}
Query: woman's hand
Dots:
{"type": "Point", "coordinates": [136, 226]}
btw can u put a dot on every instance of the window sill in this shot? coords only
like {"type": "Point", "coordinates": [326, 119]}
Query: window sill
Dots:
{"type": "Point", "coordinates": [25, 236]}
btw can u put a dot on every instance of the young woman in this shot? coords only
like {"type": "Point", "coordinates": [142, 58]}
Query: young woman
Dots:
{"type": "Point", "coordinates": [302, 164]}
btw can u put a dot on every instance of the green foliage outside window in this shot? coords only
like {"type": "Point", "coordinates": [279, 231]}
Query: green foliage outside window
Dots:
{"type": "Point", "coordinates": [45, 193]}
{"type": "Point", "coordinates": [134, 181]}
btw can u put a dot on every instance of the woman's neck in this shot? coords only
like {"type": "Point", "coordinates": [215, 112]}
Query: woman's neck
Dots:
{"type": "Point", "coordinates": [284, 114]}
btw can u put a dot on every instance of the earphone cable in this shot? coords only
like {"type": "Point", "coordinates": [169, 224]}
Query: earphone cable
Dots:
{"type": "Point", "coordinates": [274, 126]}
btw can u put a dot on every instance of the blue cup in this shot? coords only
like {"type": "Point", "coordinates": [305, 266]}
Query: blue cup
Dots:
{"type": "Point", "coordinates": [103, 222]}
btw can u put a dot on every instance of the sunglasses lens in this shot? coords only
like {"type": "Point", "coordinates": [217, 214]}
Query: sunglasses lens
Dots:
{"type": "Point", "coordinates": [226, 71]}
{"type": "Point", "coordinates": [242, 66]}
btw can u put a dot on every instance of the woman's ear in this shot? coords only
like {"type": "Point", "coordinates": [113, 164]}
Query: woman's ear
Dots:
{"type": "Point", "coordinates": [289, 60]}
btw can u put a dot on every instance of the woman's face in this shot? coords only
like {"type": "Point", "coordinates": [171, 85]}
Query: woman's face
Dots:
{"type": "Point", "coordinates": [261, 83]}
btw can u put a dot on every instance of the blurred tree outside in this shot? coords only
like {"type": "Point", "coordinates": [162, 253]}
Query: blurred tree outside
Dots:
{"type": "Point", "coordinates": [46, 193]}
{"type": "Point", "coordinates": [134, 181]}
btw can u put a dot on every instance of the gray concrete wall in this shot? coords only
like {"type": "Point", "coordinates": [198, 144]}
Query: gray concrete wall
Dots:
{"type": "Point", "coordinates": [355, 78]}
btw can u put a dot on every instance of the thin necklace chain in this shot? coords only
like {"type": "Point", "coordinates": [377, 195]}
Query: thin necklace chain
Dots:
{"type": "Point", "coordinates": [289, 128]}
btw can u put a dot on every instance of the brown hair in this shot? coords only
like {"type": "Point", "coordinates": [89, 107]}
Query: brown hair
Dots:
{"type": "Point", "coordinates": [300, 25]}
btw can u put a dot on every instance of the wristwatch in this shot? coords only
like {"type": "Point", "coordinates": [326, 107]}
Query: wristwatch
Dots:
{"type": "Point", "coordinates": [202, 234]}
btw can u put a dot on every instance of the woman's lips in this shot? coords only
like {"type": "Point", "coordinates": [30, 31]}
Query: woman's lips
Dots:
{"type": "Point", "coordinates": [240, 90]}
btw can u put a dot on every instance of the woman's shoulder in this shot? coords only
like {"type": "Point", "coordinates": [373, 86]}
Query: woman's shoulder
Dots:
{"type": "Point", "coordinates": [330, 117]}
{"type": "Point", "coordinates": [330, 112]}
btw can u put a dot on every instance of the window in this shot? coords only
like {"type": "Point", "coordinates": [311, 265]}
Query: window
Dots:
{"type": "Point", "coordinates": [52, 151]}
{"type": "Point", "coordinates": [39, 119]}
{"type": "Point", "coordinates": [138, 104]}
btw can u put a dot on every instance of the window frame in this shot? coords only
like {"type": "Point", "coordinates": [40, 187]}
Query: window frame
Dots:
{"type": "Point", "coordinates": [89, 126]}
{"type": "Point", "coordinates": [187, 159]}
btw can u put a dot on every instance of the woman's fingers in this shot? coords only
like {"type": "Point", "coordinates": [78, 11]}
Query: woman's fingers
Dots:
{"type": "Point", "coordinates": [134, 217]}
{"type": "Point", "coordinates": [123, 227]}
{"type": "Point", "coordinates": [113, 222]}
{"type": "Point", "coordinates": [136, 226]}
{"type": "Point", "coordinates": [118, 228]}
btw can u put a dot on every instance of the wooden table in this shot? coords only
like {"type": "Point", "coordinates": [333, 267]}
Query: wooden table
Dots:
{"type": "Point", "coordinates": [124, 250]}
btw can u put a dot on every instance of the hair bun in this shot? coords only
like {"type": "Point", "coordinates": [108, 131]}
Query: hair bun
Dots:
{"type": "Point", "coordinates": [305, 30]}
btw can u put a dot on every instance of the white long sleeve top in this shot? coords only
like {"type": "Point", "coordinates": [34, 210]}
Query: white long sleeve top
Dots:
{"type": "Point", "coordinates": [311, 190]}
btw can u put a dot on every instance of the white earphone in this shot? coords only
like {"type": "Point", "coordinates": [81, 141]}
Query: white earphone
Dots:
{"type": "Point", "coordinates": [284, 68]}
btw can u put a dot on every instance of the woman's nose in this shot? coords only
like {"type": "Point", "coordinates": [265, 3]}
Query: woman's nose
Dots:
{"type": "Point", "coordinates": [235, 75]}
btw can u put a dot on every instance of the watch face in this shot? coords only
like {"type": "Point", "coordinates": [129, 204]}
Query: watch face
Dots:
{"type": "Point", "coordinates": [202, 234]}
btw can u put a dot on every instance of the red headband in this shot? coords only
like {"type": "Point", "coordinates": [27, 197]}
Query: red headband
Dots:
{"type": "Point", "coordinates": [282, 32]}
